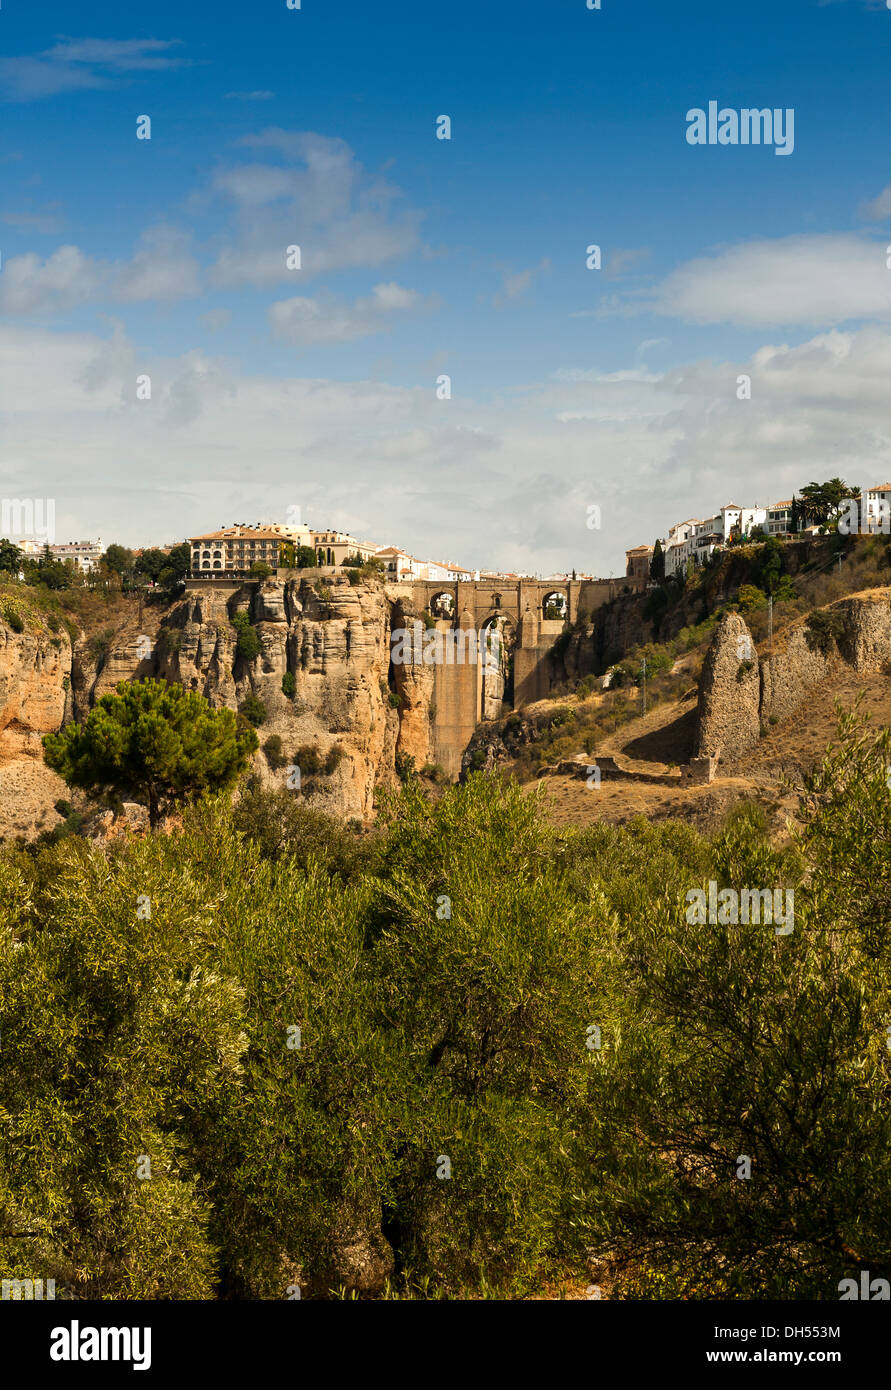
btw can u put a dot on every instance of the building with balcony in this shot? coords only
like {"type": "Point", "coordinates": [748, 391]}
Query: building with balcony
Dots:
{"type": "Point", "coordinates": [234, 549]}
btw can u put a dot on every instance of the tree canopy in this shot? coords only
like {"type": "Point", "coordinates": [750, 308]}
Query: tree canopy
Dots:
{"type": "Point", "coordinates": [820, 501]}
{"type": "Point", "coordinates": [11, 558]}
{"type": "Point", "coordinates": [119, 559]}
{"type": "Point", "coordinates": [153, 738]}
{"type": "Point", "coordinates": [150, 563]}
{"type": "Point", "coordinates": [463, 1055]}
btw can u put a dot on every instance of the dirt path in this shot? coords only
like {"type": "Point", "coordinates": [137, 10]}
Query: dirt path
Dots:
{"type": "Point", "coordinates": [662, 736]}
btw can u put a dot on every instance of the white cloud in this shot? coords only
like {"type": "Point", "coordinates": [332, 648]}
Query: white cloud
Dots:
{"type": "Point", "coordinates": [216, 319]}
{"type": "Point", "coordinates": [879, 208]}
{"type": "Point", "coordinates": [255, 184]}
{"type": "Point", "coordinates": [395, 464]}
{"type": "Point", "coordinates": [64, 280]}
{"type": "Point", "coordinates": [807, 280]}
{"type": "Point", "coordinates": [514, 284]}
{"type": "Point", "coordinates": [77, 64]}
{"type": "Point", "coordinates": [649, 343]}
{"type": "Point", "coordinates": [320, 199]}
{"type": "Point", "coordinates": [44, 223]}
{"type": "Point", "coordinates": [623, 259]}
{"type": "Point", "coordinates": [302, 321]}
{"type": "Point", "coordinates": [161, 268]}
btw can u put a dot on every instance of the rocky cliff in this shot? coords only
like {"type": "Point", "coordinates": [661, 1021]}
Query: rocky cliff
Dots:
{"type": "Point", "coordinates": [741, 691]}
{"type": "Point", "coordinates": [35, 694]}
{"type": "Point", "coordinates": [334, 707]}
{"type": "Point", "coordinates": [336, 722]}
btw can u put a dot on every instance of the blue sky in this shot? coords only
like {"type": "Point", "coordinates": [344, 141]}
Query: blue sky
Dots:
{"type": "Point", "coordinates": [316, 388]}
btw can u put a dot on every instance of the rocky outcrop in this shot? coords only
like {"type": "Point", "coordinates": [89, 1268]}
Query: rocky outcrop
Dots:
{"type": "Point", "coordinates": [740, 693]}
{"type": "Point", "coordinates": [329, 641]}
{"type": "Point", "coordinates": [34, 675]}
{"type": "Point", "coordinates": [316, 656]}
{"type": "Point", "coordinates": [729, 691]}
{"type": "Point", "coordinates": [866, 642]}
{"type": "Point", "coordinates": [795, 667]}
{"type": "Point", "coordinates": [101, 660]}
{"type": "Point", "coordinates": [497, 744]}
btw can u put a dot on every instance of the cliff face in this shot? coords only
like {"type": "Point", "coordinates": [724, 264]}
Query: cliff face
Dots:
{"type": "Point", "coordinates": [100, 663]}
{"type": "Point", "coordinates": [340, 722]}
{"type": "Point", "coordinates": [35, 667]}
{"type": "Point", "coordinates": [614, 630]}
{"type": "Point", "coordinates": [334, 640]}
{"type": "Point", "coordinates": [739, 692]}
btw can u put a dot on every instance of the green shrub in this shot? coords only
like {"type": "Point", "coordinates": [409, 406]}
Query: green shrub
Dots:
{"type": "Point", "coordinates": [167, 743]}
{"type": "Point", "coordinates": [823, 629]}
{"type": "Point", "coordinates": [100, 645]}
{"type": "Point", "coordinates": [275, 755]}
{"type": "Point", "coordinates": [308, 760]}
{"type": "Point", "coordinates": [537, 1006]}
{"type": "Point", "coordinates": [253, 710]}
{"type": "Point", "coordinates": [334, 757]}
{"type": "Point", "coordinates": [247, 645]}
{"type": "Point", "coordinates": [751, 598]}
{"type": "Point", "coordinates": [289, 684]}
{"type": "Point", "coordinates": [405, 766]}
{"type": "Point", "coordinates": [170, 640]}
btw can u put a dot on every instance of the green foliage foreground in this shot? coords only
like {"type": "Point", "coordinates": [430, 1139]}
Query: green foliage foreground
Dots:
{"type": "Point", "coordinates": [447, 1124]}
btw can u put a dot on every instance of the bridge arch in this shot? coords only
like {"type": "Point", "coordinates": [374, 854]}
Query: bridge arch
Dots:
{"type": "Point", "coordinates": [442, 605]}
{"type": "Point", "coordinates": [555, 606]}
{"type": "Point", "coordinates": [498, 639]}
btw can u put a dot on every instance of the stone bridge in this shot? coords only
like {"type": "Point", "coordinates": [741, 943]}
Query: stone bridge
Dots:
{"type": "Point", "coordinates": [530, 613]}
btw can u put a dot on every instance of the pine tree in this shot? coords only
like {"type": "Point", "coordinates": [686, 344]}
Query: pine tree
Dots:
{"type": "Point", "coordinates": [160, 739]}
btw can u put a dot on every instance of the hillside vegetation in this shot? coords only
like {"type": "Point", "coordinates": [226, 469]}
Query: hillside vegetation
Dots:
{"type": "Point", "coordinates": [463, 1057]}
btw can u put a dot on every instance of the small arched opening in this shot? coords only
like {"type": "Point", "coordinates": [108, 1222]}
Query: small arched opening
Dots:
{"type": "Point", "coordinates": [442, 606]}
{"type": "Point", "coordinates": [554, 608]}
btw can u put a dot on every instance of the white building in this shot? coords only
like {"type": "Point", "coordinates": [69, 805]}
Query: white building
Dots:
{"type": "Point", "coordinates": [779, 518]}
{"type": "Point", "coordinates": [680, 546]}
{"type": "Point", "coordinates": [334, 547]}
{"type": "Point", "coordinates": [401, 566]}
{"type": "Point", "coordinates": [697, 539]}
{"type": "Point", "coordinates": [83, 555]}
{"type": "Point", "coordinates": [233, 549]}
{"type": "Point", "coordinates": [869, 514]}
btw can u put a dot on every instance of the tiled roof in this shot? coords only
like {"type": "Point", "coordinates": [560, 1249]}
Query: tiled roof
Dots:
{"type": "Point", "coordinates": [234, 533]}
